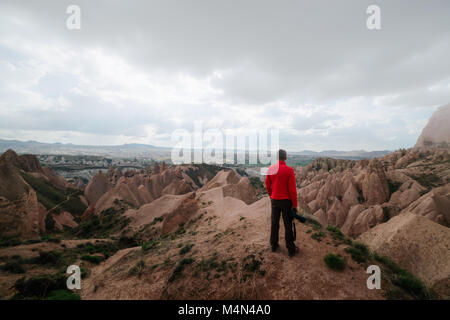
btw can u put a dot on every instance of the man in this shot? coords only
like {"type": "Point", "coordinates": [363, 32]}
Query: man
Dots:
{"type": "Point", "coordinates": [282, 190]}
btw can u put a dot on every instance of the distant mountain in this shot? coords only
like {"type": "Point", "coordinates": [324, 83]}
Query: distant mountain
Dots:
{"type": "Point", "coordinates": [342, 154]}
{"type": "Point", "coordinates": [147, 150]}
{"type": "Point", "coordinates": [125, 150]}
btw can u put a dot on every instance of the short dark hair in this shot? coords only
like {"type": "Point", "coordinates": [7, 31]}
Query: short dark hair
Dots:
{"type": "Point", "coordinates": [282, 155]}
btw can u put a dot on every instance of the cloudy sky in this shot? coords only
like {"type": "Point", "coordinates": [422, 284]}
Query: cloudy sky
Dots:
{"type": "Point", "coordinates": [138, 70]}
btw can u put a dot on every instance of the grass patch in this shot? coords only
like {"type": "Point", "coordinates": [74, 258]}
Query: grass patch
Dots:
{"type": "Point", "coordinates": [337, 235]}
{"type": "Point", "coordinates": [156, 220]}
{"type": "Point", "coordinates": [63, 295]}
{"type": "Point", "coordinates": [92, 259]}
{"type": "Point", "coordinates": [186, 248]}
{"type": "Point", "coordinates": [9, 241]}
{"type": "Point", "coordinates": [178, 271]}
{"type": "Point", "coordinates": [13, 267]}
{"type": "Point", "coordinates": [39, 287]}
{"type": "Point", "coordinates": [251, 264]}
{"type": "Point", "coordinates": [318, 236]}
{"type": "Point", "coordinates": [149, 245]}
{"type": "Point", "coordinates": [334, 262]}
{"type": "Point", "coordinates": [137, 269]}
{"type": "Point", "coordinates": [359, 252]}
{"type": "Point", "coordinates": [51, 258]}
{"type": "Point", "coordinates": [102, 225]}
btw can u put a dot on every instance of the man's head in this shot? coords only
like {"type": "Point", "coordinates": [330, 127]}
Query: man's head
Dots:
{"type": "Point", "coordinates": [282, 155]}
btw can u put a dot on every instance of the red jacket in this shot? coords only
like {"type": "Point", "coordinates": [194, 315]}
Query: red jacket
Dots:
{"type": "Point", "coordinates": [280, 183]}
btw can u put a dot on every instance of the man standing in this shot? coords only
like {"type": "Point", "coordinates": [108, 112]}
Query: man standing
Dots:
{"type": "Point", "coordinates": [282, 190]}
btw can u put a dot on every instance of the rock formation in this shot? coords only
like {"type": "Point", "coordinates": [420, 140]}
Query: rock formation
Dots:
{"type": "Point", "coordinates": [437, 130]}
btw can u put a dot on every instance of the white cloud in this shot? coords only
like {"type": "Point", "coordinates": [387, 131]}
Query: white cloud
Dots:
{"type": "Point", "coordinates": [321, 78]}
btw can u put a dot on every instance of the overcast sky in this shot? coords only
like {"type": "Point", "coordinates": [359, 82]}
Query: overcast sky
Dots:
{"type": "Point", "coordinates": [138, 70]}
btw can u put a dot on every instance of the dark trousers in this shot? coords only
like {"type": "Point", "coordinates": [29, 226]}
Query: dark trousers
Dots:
{"type": "Point", "coordinates": [284, 207]}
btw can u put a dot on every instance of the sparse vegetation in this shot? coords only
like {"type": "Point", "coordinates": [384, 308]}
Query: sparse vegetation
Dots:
{"type": "Point", "coordinates": [105, 224]}
{"type": "Point", "coordinates": [15, 266]}
{"type": "Point", "coordinates": [51, 197]}
{"type": "Point", "coordinates": [137, 269]}
{"type": "Point", "coordinates": [52, 258]}
{"type": "Point", "coordinates": [318, 236]}
{"type": "Point", "coordinates": [335, 262]}
{"type": "Point", "coordinates": [403, 280]}
{"type": "Point", "coordinates": [92, 259]}
{"type": "Point", "coordinates": [359, 252]}
{"type": "Point", "coordinates": [9, 241]}
{"type": "Point", "coordinates": [251, 264]}
{"type": "Point", "coordinates": [63, 295]}
{"type": "Point", "coordinates": [186, 249]}
{"type": "Point", "coordinates": [39, 287]}
{"type": "Point", "coordinates": [428, 180]}
{"type": "Point", "coordinates": [149, 245]}
{"type": "Point", "coordinates": [157, 219]}
{"type": "Point", "coordinates": [177, 272]}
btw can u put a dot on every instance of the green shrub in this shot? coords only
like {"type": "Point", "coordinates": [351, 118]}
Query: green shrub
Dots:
{"type": "Point", "coordinates": [48, 258]}
{"type": "Point", "coordinates": [92, 259]}
{"type": "Point", "coordinates": [74, 205]}
{"type": "Point", "coordinates": [128, 242]}
{"type": "Point", "coordinates": [138, 269]}
{"type": "Point", "coordinates": [334, 262]}
{"type": "Point", "coordinates": [251, 264]}
{"type": "Point", "coordinates": [63, 295]}
{"type": "Point", "coordinates": [359, 252]}
{"type": "Point", "coordinates": [13, 267]}
{"type": "Point", "coordinates": [149, 245]}
{"type": "Point", "coordinates": [157, 219]}
{"type": "Point", "coordinates": [179, 268]}
{"type": "Point", "coordinates": [412, 285]}
{"type": "Point", "coordinates": [7, 241]}
{"type": "Point", "coordinates": [318, 236]}
{"type": "Point", "coordinates": [39, 287]}
{"type": "Point", "coordinates": [337, 234]}
{"type": "Point", "coordinates": [186, 249]}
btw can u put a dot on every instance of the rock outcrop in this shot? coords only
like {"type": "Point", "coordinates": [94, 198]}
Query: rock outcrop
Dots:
{"type": "Point", "coordinates": [97, 187]}
{"type": "Point", "coordinates": [437, 130]}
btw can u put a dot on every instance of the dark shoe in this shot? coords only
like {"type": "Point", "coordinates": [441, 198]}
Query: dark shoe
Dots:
{"type": "Point", "coordinates": [294, 252]}
{"type": "Point", "coordinates": [275, 248]}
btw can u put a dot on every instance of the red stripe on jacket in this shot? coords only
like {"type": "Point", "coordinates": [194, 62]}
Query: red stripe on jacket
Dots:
{"type": "Point", "coordinates": [280, 183]}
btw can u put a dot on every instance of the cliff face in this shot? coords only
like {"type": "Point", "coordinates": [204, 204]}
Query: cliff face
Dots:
{"type": "Point", "coordinates": [437, 131]}
{"type": "Point", "coordinates": [28, 193]}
